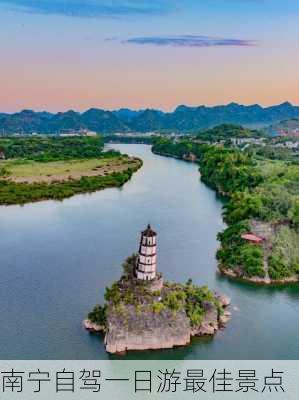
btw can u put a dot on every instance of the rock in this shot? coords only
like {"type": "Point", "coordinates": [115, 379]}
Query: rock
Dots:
{"type": "Point", "coordinates": [156, 284]}
{"type": "Point", "coordinates": [92, 327]}
{"type": "Point", "coordinates": [205, 330]}
{"type": "Point", "coordinates": [147, 331]}
{"type": "Point", "coordinates": [209, 324]}
{"type": "Point", "coordinates": [223, 319]}
{"type": "Point", "coordinates": [223, 300]}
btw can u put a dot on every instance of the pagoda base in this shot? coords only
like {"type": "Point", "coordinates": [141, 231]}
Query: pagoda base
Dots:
{"type": "Point", "coordinates": [156, 284]}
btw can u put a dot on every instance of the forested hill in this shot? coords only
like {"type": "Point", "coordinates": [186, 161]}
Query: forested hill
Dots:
{"type": "Point", "coordinates": [182, 119]}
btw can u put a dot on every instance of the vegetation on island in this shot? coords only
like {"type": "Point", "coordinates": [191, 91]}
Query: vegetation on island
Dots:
{"type": "Point", "coordinates": [130, 293]}
{"type": "Point", "coordinates": [263, 195]}
{"type": "Point", "coordinates": [34, 169]}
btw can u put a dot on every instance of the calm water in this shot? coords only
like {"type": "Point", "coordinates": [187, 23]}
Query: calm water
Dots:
{"type": "Point", "coordinates": [57, 257]}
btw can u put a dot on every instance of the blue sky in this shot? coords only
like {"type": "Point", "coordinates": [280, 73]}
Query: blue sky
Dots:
{"type": "Point", "coordinates": [74, 54]}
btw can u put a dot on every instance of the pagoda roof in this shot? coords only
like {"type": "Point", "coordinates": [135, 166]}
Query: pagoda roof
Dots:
{"type": "Point", "coordinates": [149, 232]}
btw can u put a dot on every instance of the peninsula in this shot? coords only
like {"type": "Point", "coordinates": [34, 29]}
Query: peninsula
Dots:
{"type": "Point", "coordinates": [144, 312]}
{"type": "Point", "coordinates": [34, 169]}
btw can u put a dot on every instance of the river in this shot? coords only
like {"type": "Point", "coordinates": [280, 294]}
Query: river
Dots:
{"type": "Point", "coordinates": [57, 258]}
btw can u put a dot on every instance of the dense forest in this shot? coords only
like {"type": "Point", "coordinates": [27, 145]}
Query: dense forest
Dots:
{"type": "Point", "coordinates": [266, 191]}
{"type": "Point", "coordinates": [228, 131]}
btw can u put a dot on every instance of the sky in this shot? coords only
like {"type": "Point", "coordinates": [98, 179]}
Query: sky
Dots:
{"type": "Point", "coordinates": [58, 55]}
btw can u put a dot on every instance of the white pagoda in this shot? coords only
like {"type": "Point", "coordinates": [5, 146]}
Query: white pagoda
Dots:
{"type": "Point", "coordinates": [146, 268]}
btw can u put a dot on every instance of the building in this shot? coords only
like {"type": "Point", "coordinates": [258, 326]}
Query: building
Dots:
{"type": "Point", "coordinates": [247, 140]}
{"type": "Point", "coordinates": [252, 238]}
{"type": "Point", "coordinates": [146, 267]}
{"type": "Point", "coordinates": [76, 132]}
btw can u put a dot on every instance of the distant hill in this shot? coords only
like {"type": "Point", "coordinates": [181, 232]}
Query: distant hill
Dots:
{"type": "Point", "coordinates": [225, 131]}
{"type": "Point", "coordinates": [183, 119]}
{"type": "Point", "coordinates": [126, 115]}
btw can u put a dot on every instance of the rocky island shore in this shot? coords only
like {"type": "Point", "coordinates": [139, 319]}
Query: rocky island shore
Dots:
{"type": "Point", "coordinates": [151, 314]}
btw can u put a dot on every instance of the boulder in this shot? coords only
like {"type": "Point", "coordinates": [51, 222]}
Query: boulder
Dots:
{"type": "Point", "coordinates": [223, 300]}
{"type": "Point", "coordinates": [92, 327]}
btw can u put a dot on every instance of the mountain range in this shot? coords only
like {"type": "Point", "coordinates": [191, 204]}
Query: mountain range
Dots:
{"type": "Point", "coordinates": [183, 119]}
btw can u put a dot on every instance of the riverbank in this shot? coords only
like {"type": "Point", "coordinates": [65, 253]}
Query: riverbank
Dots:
{"type": "Point", "coordinates": [230, 273]}
{"type": "Point", "coordinates": [260, 244]}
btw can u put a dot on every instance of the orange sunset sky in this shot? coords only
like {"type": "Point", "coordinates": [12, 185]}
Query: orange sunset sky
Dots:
{"type": "Point", "coordinates": [58, 55]}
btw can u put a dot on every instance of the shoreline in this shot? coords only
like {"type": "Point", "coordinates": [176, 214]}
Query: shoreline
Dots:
{"type": "Point", "coordinates": [229, 273]}
{"type": "Point", "coordinates": [140, 315]}
{"type": "Point", "coordinates": [210, 326]}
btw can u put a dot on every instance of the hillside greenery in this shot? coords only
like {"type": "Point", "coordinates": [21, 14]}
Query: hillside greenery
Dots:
{"type": "Point", "coordinates": [227, 131]}
{"type": "Point", "coordinates": [264, 190]}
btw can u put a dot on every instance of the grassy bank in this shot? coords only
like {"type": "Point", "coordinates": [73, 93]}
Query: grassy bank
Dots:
{"type": "Point", "coordinates": [55, 168]}
{"type": "Point", "coordinates": [27, 171]}
{"type": "Point", "coordinates": [21, 193]}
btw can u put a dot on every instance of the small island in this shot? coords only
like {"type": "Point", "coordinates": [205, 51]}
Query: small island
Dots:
{"type": "Point", "coordinates": [144, 312]}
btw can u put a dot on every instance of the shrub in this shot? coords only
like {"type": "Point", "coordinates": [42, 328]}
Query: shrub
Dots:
{"type": "Point", "coordinates": [129, 297]}
{"type": "Point", "coordinates": [195, 314]}
{"type": "Point", "coordinates": [251, 258]}
{"type": "Point", "coordinates": [157, 307]}
{"type": "Point", "coordinates": [4, 172]}
{"type": "Point", "coordinates": [277, 268]}
{"type": "Point", "coordinates": [129, 266]}
{"type": "Point", "coordinates": [113, 294]}
{"type": "Point", "coordinates": [98, 315]}
{"type": "Point", "coordinates": [175, 300]}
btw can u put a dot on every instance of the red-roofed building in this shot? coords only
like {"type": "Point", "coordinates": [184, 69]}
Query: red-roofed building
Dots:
{"type": "Point", "coordinates": [252, 238]}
